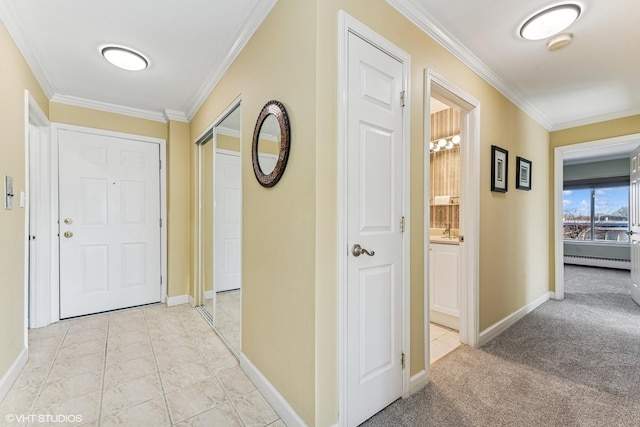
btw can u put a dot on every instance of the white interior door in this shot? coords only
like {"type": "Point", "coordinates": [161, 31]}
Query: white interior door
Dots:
{"type": "Point", "coordinates": [228, 220]}
{"type": "Point", "coordinates": [374, 192]}
{"type": "Point", "coordinates": [634, 208]}
{"type": "Point", "coordinates": [109, 213]}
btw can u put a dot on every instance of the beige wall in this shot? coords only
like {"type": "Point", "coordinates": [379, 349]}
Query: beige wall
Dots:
{"type": "Point", "coordinates": [279, 222]}
{"type": "Point", "coordinates": [178, 209]}
{"type": "Point", "coordinates": [15, 77]}
{"type": "Point", "coordinates": [226, 142]}
{"type": "Point", "coordinates": [290, 328]}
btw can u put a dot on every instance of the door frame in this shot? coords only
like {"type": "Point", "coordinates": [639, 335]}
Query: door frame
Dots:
{"type": "Point", "coordinates": [347, 24]}
{"type": "Point", "coordinates": [34, 116]}
{"type": "Point", "coordinates": [55, 249]}
{"type": "Point", "coordinates": [470, 194]}
{"type": "Point", "coordinates": [558, 185]}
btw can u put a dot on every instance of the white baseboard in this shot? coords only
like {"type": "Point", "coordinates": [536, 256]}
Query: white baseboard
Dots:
{"type": "Point", "coordinates": [208, 295]}
{"type": "Point", "coordinates": [275, 399]}
{"type": "Point", "coordinates": [12, 373]}
{"type": "Point", "coordinates": [192, 301]}
{"type": "Point", "coordinates": [180, 299]}
{"type": "Point", "coordinates": [499, 327]}
{"type": "Point", "coordinates": [418, 382]}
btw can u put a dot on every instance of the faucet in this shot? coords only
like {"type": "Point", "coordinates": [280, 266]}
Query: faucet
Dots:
{"type": "Point", "coordinates": [447, 231]}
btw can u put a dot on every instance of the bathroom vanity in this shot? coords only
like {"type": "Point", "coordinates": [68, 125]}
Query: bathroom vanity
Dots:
{"type": "Point", "coordinates": [444, 279]}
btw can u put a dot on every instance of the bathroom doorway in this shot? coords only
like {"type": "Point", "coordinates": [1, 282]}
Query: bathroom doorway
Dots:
{"type": "Point", "coordinates": [452, 170]}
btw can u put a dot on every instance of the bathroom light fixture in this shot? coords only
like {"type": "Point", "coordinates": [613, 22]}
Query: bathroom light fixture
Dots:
{"type": "Point", "coordinates": [124, 58]}
{"type": "Point", "coordinates": [550, 21]}
{"type": "Point", "coordinates": [444, 143]}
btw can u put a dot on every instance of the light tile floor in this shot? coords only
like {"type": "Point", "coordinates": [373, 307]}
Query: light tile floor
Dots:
{"type": "Point", "coordinates": [150, 366]}
{"type": "Point", "coordinates": [443, 341]}
{"type": "Point", "coordinates": [229, 307]}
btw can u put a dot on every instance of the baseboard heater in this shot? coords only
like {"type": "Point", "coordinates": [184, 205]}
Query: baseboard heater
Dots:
{"type": "Point", "coordinates": [621, 264]}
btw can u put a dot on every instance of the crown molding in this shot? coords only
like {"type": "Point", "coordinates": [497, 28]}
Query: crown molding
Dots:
{"type": "Point", "coordinates": [175, 115]}
{"type": "Point", "coordinates": [109, 108]}
{"type": "Point", "coordinates": [415, 13]}
{"type": "Point", "coordinates": [596, 119]}
{"type": "Point", "coordinates": [249, 26]}
{"type": "Point", "coordinates": [8, 17]}
{"type": "Point", "coordinates": [228, 131]}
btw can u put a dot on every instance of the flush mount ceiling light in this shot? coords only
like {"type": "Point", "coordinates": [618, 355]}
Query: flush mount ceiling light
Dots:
{"type": "Point", "coordinates": [124, 58]}
{"type": "Point", "coordinates": [550, 21]}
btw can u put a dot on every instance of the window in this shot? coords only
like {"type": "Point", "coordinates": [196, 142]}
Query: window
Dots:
{"type": "Point", "coordinates": [596, 212]}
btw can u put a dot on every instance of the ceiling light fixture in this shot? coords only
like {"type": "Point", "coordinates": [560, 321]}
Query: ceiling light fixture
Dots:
{"type": "Point", "coordinates": [550, 21]}
{"type": "Point", "coordinates": [124, 58]}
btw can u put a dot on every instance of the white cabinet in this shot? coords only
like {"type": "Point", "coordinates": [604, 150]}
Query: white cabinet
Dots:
{"type": "Point", "coordinates": [444, 284]}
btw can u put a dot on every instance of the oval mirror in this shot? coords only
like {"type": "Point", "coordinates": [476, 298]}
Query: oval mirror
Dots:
{"type": "Point", "coordinates": [271, 142]}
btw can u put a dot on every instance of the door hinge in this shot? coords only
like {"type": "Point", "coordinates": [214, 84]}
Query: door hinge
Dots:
{"type": "Point", "coordinates": [402, 224]}
{"type": "Point", "coordinates": [402, 360]}
{"type": "Point", "coordinates": [403, 95]}
{"type": "Point", "coordinates": [161, 280]}
{"type": "Point", "coordinates": [160, 161]}
{"type": "Point", "coordinates": [160, 222]}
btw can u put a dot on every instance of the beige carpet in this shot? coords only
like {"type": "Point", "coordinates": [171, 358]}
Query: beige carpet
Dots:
{"type": "Point", "coordinates": [574, 362]}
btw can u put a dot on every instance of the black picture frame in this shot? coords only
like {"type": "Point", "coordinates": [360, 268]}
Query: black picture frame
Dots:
{"type": "Point", "coordinates": [499, 169]}
{"type": "Point", "coordinates": [523, 173]}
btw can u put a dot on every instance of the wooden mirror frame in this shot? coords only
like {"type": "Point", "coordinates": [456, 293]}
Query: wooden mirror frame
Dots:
{"type": "Point", "coordinates": [276, 109]}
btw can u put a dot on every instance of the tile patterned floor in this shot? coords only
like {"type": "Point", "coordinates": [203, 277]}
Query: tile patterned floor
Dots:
{"type": "Point", "coordinates": [443, 341]}
{"type": "Point", "coordinates": [151, 366]}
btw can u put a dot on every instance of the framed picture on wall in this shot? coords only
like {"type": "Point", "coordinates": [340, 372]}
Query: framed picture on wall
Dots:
{"type": "Point", "coordinates": [523, 173]}
{"type": "Point", "coordinates": [499, 169]}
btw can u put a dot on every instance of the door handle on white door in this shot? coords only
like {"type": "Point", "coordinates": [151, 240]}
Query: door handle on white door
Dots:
{"type": "Point", "coordinates": [68, 234]}
{"type": "Point", "coordinates": [358, 250]}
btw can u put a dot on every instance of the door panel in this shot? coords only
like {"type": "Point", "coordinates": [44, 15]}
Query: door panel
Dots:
{"type": "Point", "coordinates": [228, 197]}
{"type": "Point", "coordinates": [374, 194]}
{"type": "Point", "coordinates": [109, 200]}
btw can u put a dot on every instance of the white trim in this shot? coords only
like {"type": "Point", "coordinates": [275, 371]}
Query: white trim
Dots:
{"type": "Point", "coordinates": [40, 313]}
{"type": "Point", "coordinates": [27, 220]}
{"type": "Point", "coordinates": [174, 115]}
{"type": "Point", "coordinates": [109, 108]}
{"type": "Point", "coordinates": [499, 327]}
{"type": "Point", "coordinates": [177, 300]}
{"type": "Point", "coordinates": [558, 184]}
{"type": "Point", "coordinates": [286, 412]}
{"type": "Point", "coordinates": [418, 382]}
{"type": "Point", "coordinates": [191, 300]}
{"type": "Point", "coordinates": [12, 373]}
{"type": "Point", "coordinates": [417, 14]}
{"type": "Point", "coordinates": [55, 251]}
{"type": "Point", "coordinates": [348, 24]}
{"type": "Point", "coordinates": [255, 18]}
{"type": "Point", "coordinates": [470, 219]}
{"type": "Point", "coordinates": [229, 132]}
{"type": "Point", "coordinates": [596, 119]}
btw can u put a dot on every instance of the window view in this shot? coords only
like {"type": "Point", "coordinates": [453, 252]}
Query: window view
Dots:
{"type": "Point", "coordinates": [596, 213]}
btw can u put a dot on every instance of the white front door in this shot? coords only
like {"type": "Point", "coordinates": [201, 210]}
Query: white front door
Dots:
{"type": "Point", "coordinates": [375, 195]}
{"type": "Point", "coordinates": [228, 220]}
{"type": "Point", "coordinates": [634, 208]}
{"type": "Point", "coordinates": [109, 214]}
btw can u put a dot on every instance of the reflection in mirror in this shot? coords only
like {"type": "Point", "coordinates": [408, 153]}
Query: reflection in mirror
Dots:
{"type": "Point", "coordinates": [227, 229]}
{"type": "Point", "coordinates": [269, 144]}
{"type": "Point", "coordinates": [206, 238]}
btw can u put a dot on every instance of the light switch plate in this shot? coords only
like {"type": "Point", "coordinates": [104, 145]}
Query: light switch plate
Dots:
{"type": "Point", "coordinates": [8, 192]}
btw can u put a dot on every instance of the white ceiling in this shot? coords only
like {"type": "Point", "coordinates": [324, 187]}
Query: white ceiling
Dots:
{"type": "Point", "coordinates": [189, 45]}
{"type": "Point", "coordinates": [594, 78]}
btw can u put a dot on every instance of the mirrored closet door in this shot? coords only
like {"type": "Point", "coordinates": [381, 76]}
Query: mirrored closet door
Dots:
{"type": "Point", "coordinates": [220, 235]}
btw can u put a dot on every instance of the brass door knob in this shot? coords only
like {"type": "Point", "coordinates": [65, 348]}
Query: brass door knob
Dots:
{"type": "Point", "coordinates": [68, 221]}
{"type": "Point", "coordinates": [68, 234]}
